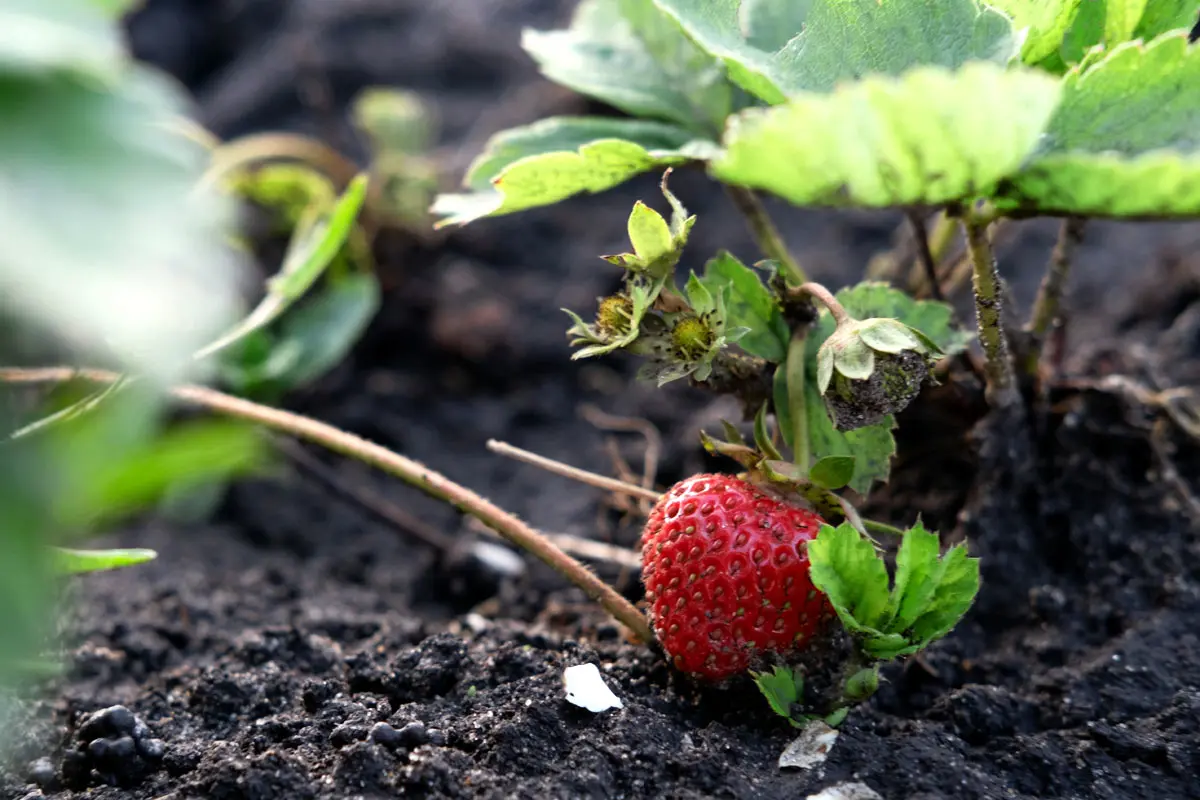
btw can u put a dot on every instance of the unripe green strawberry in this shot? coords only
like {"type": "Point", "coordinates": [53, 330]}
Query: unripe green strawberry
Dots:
{"type": "Point", "coordinates": [726, 572]}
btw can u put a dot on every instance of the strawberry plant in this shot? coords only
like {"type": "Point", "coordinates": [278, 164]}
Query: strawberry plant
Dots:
{"type": "Point", "coordinates": [976, 113]}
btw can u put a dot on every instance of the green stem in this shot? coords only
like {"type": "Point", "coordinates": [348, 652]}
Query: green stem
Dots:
{"type": "Point", "coordinates": [765, 233]}
{"type": "Point", "coordinates": [1049, 298]}
{"type": "Point", "coordinates": [836, 309]}
{"type": "Point", "coordinates": [797, 401]}
{"type": "Point", "coordinates": [1001, 389]}
{"type": "Point", "coordinates": [882, 527]}
{"type": "Point", "coordinates": [407, 470]}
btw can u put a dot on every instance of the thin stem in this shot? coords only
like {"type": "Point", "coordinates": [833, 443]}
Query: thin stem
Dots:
{"type": "Point", "coordinates": [925, 255]}
{"type": "Point", "coordinates": [764, 231]}
{"type": "Point", "coordinates": [1001, 389]}
{"type": "Point", "coordinates": [882, 527]}
{"type": "Point", "coordinates": [409, 471]}
{"type": "Point", "coordinates": [797, 399]}
{"type": "Point", "coordinates": [827, 299]}
{"type": "Point", "coordinates": [574, 473]}
{"type": "Point", "coordinates": [1046, 307]}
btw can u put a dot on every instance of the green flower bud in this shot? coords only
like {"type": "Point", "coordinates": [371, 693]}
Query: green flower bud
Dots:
{"type": "Point", "coordinates": [870, 368]}
{"type": "Point", "coordinates": [691, 338]}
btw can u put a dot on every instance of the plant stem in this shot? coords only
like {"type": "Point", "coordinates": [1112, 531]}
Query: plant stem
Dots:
{"type": "Point", "coordinates": [1049, 298]}
{"type": "Point", "coordinates": [840, 315]}
{"type": "Point", "coordinates": [574, 473]}
{"type": "Point", "coordinates": [409, 471]}
{"type": "Point", "coordinates": [764, 231]}
{"type": "Point", "coordinates": [1001, 389]}
{"type": "Point", "coordinates": [925, 255]}
{"type": "Point", "coordinates": [797, 399]}
{"type": "Point", "coordinates": [882, 527]}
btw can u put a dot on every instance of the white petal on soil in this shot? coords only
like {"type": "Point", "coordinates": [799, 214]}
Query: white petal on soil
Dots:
{"type": "Point", "coordinates": [810, 748]}
{"type": "Point", "coordinates": [847, 791]}
{"type": "Point", "coordinates": [586, 689]}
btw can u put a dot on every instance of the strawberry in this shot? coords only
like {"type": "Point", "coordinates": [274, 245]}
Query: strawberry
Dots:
{"type": "Point", "coordinates": [726, 571]}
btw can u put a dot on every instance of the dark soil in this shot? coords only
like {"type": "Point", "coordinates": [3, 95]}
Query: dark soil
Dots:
{"type": "Point", "coordinates": [263, 647]}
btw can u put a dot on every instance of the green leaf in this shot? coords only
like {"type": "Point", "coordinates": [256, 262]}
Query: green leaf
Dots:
{"type": "Point", "coordinates": [1121, 19]}
{"type": "Point", "coordinates": [312, 338]}
{"type": "Point", "coordinates": [190, 454]}
{"type": "Point", "coordinates": [313, 247]}
{"type": "Point", "coordinates": [840, 40]}
{"type": "Point", "coordinates": [67, 36]}
{"type": "Point", "coordinates": [918, 572]}
{"type": "Point", "coordinates": [1124, 141]}
{"type": "Point", "coordinates": [601, 55]}
{"type": "Point", "coordinates": [1047, 22]}
{"type": "Point", "coordinates": [649, 233]}
{"type": "Point", "coordinates": [1111, 22]}
{"type": "Point", "coordinates": [845, 568]}
{"type": "Point", "coordinates": [832, 472]}
{"type": "Point", "coordinates": [117, 8]}
{"type": "Point", "coordinates": [74, 562]}
{"type": "Point", "coordinates": [957, 586]}
{"type": "Point", "coordinates": [559, 157]}
{"type": "Point", "coordinates": [782, 687]}
{"type": "Point", "coordinates": [751, 305]}
{"type": "Point", "coordinates": [1161, 16]}
{"type": "Point", "coordinates": [922, 138]}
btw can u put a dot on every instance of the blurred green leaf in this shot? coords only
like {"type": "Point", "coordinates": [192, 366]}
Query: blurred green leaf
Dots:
{"type": "Point", "coordinates": [186, 455]}
{"type": "Point", "coordinates": [832, 472]}
{"type": "Point", "coordinates": [559, 157]}
{"type": "Point", "coordinates": [1125, 139]}
{"type": "Point", "coordinates": [922, 138]}
{"type": "Point", "coordinates": [602, 55]}
{"type": "Point", "coordinates": [313, 247]}
{"type": "Point", "coordinates": [310, 339]}
{"type": "Point", "coordinates": [1047, 22]}
{"type": "Point", "coordinates": [827, 42]}
{"type": "Point", "coordinates": [74, 562]}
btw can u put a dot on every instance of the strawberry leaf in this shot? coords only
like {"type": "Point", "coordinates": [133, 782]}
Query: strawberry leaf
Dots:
{"type": "Point", "coordinates": [832, 472]}
{"type": "Point", "coordinates": [1046, 22]}
{"type": "Point", "coordinates": [930, 595]}
{"type": "Point", "coordinates": [782, 687]}
{"type": "Point", "coordinates": [1123, 141]}
{"type": "Point", "coordinates": [1109, 23]}
{"type": "Point", "coordinates": [845, 567]}
{"type": "Point", "coordinates": [625, 53]}
{"type": "Point", "coordinates": [777, 48]}
{"type": "Point", "coordinates": [921, 138]}
{"type": "Point", "coordinates": [749, 304]}
{"type": "Point", "coordinates": [558, 157]}
{"type": "Point", "coordinates": [75, 562]}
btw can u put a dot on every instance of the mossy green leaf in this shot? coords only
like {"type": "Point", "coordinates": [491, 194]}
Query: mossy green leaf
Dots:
{"type": "Point", "coordinates": [774, 49]}
{"type": "Point", "coordinates": [924, 137]}
{"type": "Point", "coordinates": [1046, 23]}
{"type": "Point", "coordinates": [603, 56]}
{"type": "Point", "coordinates": [559, 157]}
{"type": "Point", "coordinates": [1124, 141]}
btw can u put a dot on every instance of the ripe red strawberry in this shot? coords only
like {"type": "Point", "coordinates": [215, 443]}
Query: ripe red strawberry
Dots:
{"type": "Point", "coordinates": [726, 573]}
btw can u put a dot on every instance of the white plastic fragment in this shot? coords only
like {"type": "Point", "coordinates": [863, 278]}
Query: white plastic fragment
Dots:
{"type": "Point", "coordinates": [847, 791]}
{"type": "Point", "coordinates": [810, 748]}
{"type": "Point", "coordinates": [586, 689]}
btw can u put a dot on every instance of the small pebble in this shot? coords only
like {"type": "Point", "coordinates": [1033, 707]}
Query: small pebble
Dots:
{"type": "Point", "coordinates": [151, 749]}
{"type": "Point", "coordinates": [437, 738]}
{"type": "Point", "coordinates": [43, 773]}
{"type": "Point", "coordinates": [384, 734]}
{"type": "Point", "coordinates": [115, 720]}
{"type": "Point", "coordinates": [413, 735]}
{"type": "Point", "coordinates": [347, 733]}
